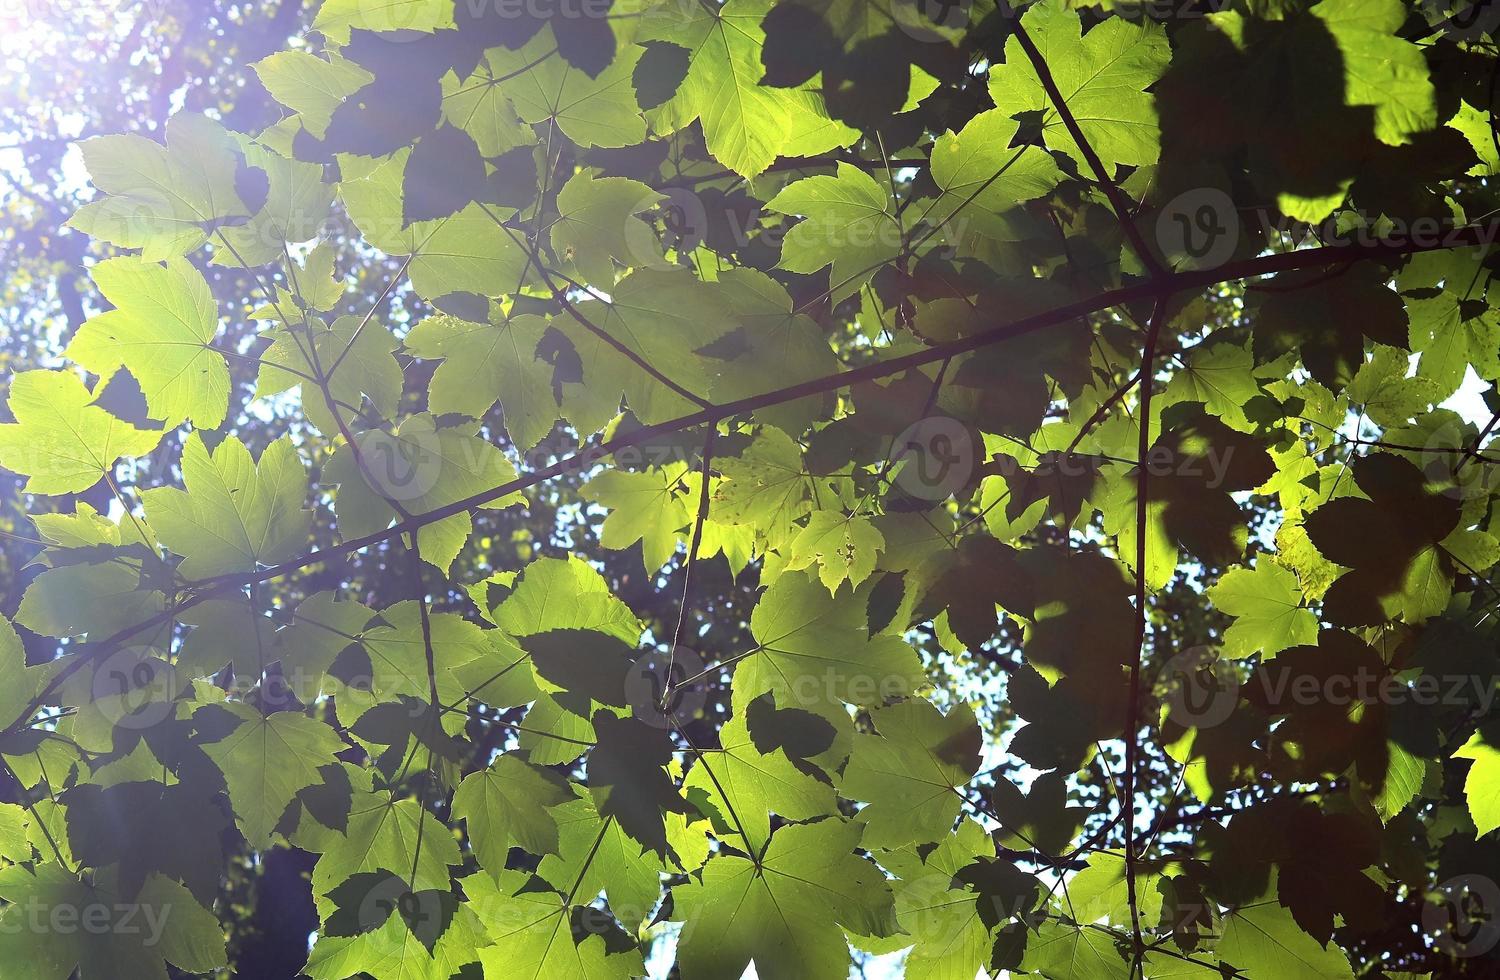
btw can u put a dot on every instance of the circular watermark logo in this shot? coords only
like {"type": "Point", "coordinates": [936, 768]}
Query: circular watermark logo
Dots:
{"type": "Point", "coordinates": [683, 222]}
{"type": "Point", "coordinates": [421, 911]}
{"type": "Point", "coordinates": [1463, 20]}
{"type": "Point", "coordinates": [1463, 915]}
{"type": "Point", "coordinates": [930, 21]}
{"type": "Point", "coordinates": [402, 467]}
{"type": "Point", "coordinates": [398, 22]}
{"type": "Point", "coordinates": [934, 458]}
{"type": "Point", "coordinates": [1451, 469]}
{"type": "Point", "coordinates": [134, 688]}
{"type": "Point", "coordinates": [1198, 229]}
{"type": "Point", "coordinates": [665, 689]}
{"type": "Point", "coordinates": [1199, 687]}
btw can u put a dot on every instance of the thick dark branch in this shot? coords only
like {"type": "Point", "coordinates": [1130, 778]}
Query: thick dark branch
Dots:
{"type": "Point", "coordinates": [588, 456]}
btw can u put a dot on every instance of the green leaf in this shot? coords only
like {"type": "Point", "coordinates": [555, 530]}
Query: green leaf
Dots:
{"type": "Point", "coordinates": [1192, 469]}
{"type": "Point", "coordinates": [162, 200]}
{"type": "Point", "coordinates": [531, 933]}
{"type": "Point", "coordinates": [466, 253]}
{"type": "Point", "coordinates": [766, 486]}
{"type": "Point", "coordinates": [161, 330]}
{"type": "Point", "coordinates": [18, 682]}
{"type": "Point", "coordinates": [1266, 604]}
{"type": "Point", "coordinates": [236, 513]}
{"type": "Point", "coordinates": [545, 89]}
{"type": "Point", "coordinates": [423, 468]}
{"type": "Point", "coordinates": [582, 662]}
{"type": "Point", "coordinates": [978, 170]}
{"type": "Point", "coordinates": [666, 318]}
{"type": "Point", "coordinates": [130, 937]}
{"type": "Point", "coordinates": [628, 779]}
{"type": "Point", "coordinates": [396, 652]}
{"type": "Point", "coordinates": [1482, 786]}
{"type": "Point", "coordinates": [486, 362]}
{"type": "Point", "coordinates": [322, 627]}
{"type": "Point", "coordinates": [845, 548]}
{"type": "Point", "coordinates": [510, 801]}
{"type": "Point", "coordinates": [969, 582]}
{"type": "Point", "coordinates": [74, 600]}
{"type": "Point", "coordinates": [1381, 69]}
{"type": "Point", "coordinates": [267, 760]}
{"type": "Point", "coordinates": [943, 920]}
{"type": "Point", "coordinates": [746, 124]}
{"type": "Point", "coordinates": [1401, 573]}
{"type": "Point", "coordinates": [785, 911]}
{"type": "Point", "coordinates": [1062, 950]}
{"type": "Point", "coordinates": [647, 507]}
{"type": "Point", "coordinates": [226, 631]}
{"type": "Point", "coordinates": [1389, 397]}
{"type": "Point", "coordinates": [1103, 77]}
{"type": "Point", "coordinates": [910, 771]}
{"type": "Point", "coordinates": [814, 651]}
{"type": "Point", "coordinates": [1328, 320]}
{"type": "Point", "coordinates": [745, 786]}
{"type": "Point", "coordinates": [1455, 328]}
{"type": "Point", "coordinates": [393, 950]}
{"type": "Point", "coordinates": [1220, 377]}
{"type": "Point", "coordinates": [478, 105]}
{"type": "Point", "coordinates": [565, 593]}
{"type": "Point", "coordinates": [386, 834]}
{"type": "Point", "coordinates": [336, 18]}
{"type": "Point", "coordinates": [297, 205]}
{"type": "Point", "coordinates": [598, 855]}
{"type": "Point", "coordinates": [849, 221]}
{"type": "Point", "coordinates": [1262, 938]}
{"type": "Point", "coordinates": [311, 86]}
{"type": "Point", "coordinates": [774, 347]}
{"type": "Point", "coordinates": [596, 223]}
{"type": "Point", "coordinates": [302, 351]}
{"type": "Point", "coordinates": [59, 440]}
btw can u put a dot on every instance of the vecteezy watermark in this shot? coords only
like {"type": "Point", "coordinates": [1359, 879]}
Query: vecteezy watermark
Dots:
{"type": "Point", "coordinates": [38, 917]}
{"type": "Point", "coordinates": [684, 221]}
{"type": "Point", "coordinates": [1198, 229]}
{"type": "Point", "coordinates": [67, 11]}
{"type": "Point", "coordinates": [667, 689]}
{"type": "Point", "coordinates": [1462, 915]}
{"type": "Point", "coordinates": [1283, 689]}
{"type": "Point", "coordinates": [402, 467]}
{"type": "Point", "coordinates": [932, 21]}
{"type": "Point", "coordinates": [1453, 463]}
{"type": "Point", "coordinates": [1200, 688]}
{"type": "Point", "coordinates": [1463, 20]}
{"type": "Point", "coordinates": [934, 906]}
{"type": "Point", "coordinates": [133, 688]}
{"type": "Point", "coordinates": [1211, 466]}
{"type": "Point", "coordinates": [934, 458]}
{"type": "Point", "coordinates": [533, 9]}
{"type": "Point", "coordinates": [421, 911]}
{"type": "Point", "coordinates": [831, 685]}
{"type": "Point", "coordinates": [1158, 10]}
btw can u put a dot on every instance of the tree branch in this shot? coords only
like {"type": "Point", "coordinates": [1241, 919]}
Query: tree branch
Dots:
{"type": "Point", "coordinates": [1173, 282]}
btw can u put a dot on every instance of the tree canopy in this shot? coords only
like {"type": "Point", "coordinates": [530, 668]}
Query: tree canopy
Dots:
{"type": "Point", "coordinates": [618, 488]}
